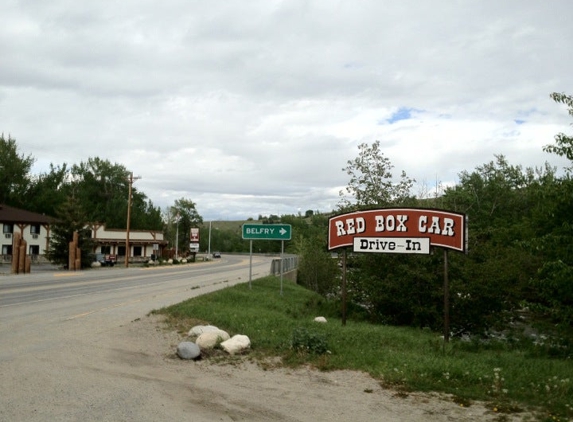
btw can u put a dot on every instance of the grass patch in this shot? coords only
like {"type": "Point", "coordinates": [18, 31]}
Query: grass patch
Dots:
{"type": "Point", "coordinates": [407, 359]}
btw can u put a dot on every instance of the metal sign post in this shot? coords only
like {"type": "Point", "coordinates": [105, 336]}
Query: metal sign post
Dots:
{"type": "Point", "coordinates": [282, 252]}
{"type": "Point", "coordinates": [280, 232]}
{"type": "Point", "coordinates": [250, 263]}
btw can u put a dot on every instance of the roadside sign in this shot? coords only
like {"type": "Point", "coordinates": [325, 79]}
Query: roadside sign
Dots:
{"type": "Point", "coordinates": [267, 231]}
{"type": "Point", "coordinates": [366, 230]}
{"type": "Point", "coordinates": [194, 235]}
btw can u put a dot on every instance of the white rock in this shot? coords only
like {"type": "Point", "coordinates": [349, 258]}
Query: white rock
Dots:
{"type": "Point", "coordinates": [200, 329]}
{"type": "Point", "coordinates": [320, 319]}
{"type": "Point", "coordinates": [210, 339]}
{"type": "Point", "coordinates": [236, 344]}
{"type": "Point", "coordinates": [96, 264]}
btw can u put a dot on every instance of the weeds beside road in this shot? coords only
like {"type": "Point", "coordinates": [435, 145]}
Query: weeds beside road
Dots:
{"type": "Point", "coordinates": [510, 378]}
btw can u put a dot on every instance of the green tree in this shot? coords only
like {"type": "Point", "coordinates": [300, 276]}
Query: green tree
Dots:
{"type": "Point", "coordinates": [317, 269]}
{"type": "Point", "coordinates": [144, 215]}
{"type": "Point", "coordinates": [396, 289]}
{"type": "Point", "coordinates": [181, 217]}
{"type": "Point", "coordinates": [372, 181]}
{"type": "Point", "coordinates": [563, 143]}
{"type": "Point", "coordinates": [102, 188]}
{"type": "Point", "coordinates": [553, 298]}
{"type": "Point", "coordinates": [48, 191]}
{"type": "Point", "coordinates": [494, 194]}
{"type": "Point", "coordinates": [14, 173]}
{"type": "Point", "coordinates": [489, 284]}
{"type": "Point", "coordinates": [70, 218]}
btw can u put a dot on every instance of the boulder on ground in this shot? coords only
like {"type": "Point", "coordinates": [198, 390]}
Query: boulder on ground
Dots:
{"type": "Point", "coordinates": [210, 339]}
{"type": "Point", "coordinates": [188, 350]}
{"type": "Point", "coordinates": [236, 344]}
{"type": "Point", "coordinates": [320, 319]}
{"type": "Point", "coordinates": [200, 329]}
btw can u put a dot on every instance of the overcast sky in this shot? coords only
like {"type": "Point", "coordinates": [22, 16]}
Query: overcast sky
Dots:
{"type": "Point", "coordinates": [254, 107]}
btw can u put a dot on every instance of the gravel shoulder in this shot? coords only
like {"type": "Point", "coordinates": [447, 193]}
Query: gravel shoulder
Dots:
{"type": "Point", "coordinates": [131, 373]}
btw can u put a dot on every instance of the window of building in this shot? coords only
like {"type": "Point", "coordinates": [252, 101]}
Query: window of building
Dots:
{"type": "Point", "coordinates": [121, 250]}
{"type": "Point", "coordinates": [106, 250]}
{"type": "Point", "coordinates": [137, 251]}
{"type": "Point", "coordinates": [8, 228]}
{"type": "Point", "coordinates": [6, 249]}
{"type": "Point", "coordinates": [35, 229]}
{"type": "Point", "coordinates": [34, 250]}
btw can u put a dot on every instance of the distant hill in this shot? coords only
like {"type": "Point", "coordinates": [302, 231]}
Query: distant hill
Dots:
{"type": "Point", "coordinates": [233, 226]}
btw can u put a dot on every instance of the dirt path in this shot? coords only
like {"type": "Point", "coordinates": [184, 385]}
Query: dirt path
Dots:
{"type": "Point", "coordinates": [130, 374]}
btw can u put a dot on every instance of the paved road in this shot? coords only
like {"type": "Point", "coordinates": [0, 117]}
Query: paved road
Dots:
{"type": "Point", "coordinates": [50, 319]}
{"type": "Point", "coordinates": [48, 285]}
{"type": "Point", "coordinates": [37, 306]}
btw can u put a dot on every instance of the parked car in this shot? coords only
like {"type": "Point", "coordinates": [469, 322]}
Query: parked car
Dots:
{"type": "Point", "coordinates": [106, 260]}
{"type": "Point", "coordinates": [216, 254]}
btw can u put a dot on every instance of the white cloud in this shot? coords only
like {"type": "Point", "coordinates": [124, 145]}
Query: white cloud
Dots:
{"type": "Point", "coordinates": [254, 107]}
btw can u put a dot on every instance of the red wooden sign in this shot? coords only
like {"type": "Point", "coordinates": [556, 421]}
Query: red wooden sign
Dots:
{"type": "Point", "coordinates": [398, 230]}
{"type": "Point", "coordinates": [194, 235]}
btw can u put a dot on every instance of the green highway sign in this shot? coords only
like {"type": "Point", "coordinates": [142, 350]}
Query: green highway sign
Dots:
{"type": "Point", "coordinates": [267, 231]}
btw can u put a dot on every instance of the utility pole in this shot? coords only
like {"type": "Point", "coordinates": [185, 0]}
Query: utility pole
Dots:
{"type": "Point", "coordinates": [127, 248]}
{"type": "Point", "coordinates": [209, 247]}
{"type": "Point", "coordinates": [177, 236]}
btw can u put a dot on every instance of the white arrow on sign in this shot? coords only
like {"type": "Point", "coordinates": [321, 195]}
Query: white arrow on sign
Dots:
{"type": "Point", "coordinates": [282, 231]}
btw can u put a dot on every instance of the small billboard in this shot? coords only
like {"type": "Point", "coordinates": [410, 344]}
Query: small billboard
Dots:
{"type": "Point", "coordinates": [398, 230]}
{"type": "Point", "coordinates": [194, 236]}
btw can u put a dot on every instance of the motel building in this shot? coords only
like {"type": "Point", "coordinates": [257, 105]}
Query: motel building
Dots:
{"type": "Point", "coordinates": [142, 243]}
{"type": "Point", "coordinates": [34, 228]}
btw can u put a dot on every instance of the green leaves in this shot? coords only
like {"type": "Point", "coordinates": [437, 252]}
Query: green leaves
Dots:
{"type": "Point", "coordinates": [309, 341]}
{"type": "Point", "coordinates": [555, 292]}
{"type": "Point", "coordinates": [180, 219]}
{"type": "Point", "coordinates": [70, 218]}
{"type": "Point", "coordinates": [14, 173]}
{"type": "Point", "coordinates": [372, 181]}
{"type": "Point", "coordinates": [317, 269]}
{"type": "Point", "coordinates": [563, 143]}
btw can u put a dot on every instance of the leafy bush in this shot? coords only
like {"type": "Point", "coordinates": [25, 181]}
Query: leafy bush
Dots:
{"type": "Point", "coordinates": [555, 292]}
{"type": "Point", "coordinates": [307, 341]}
